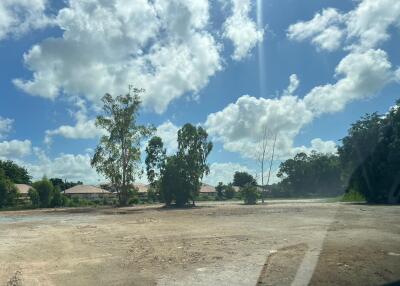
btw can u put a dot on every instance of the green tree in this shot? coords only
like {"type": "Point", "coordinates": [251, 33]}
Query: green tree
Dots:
{"type": "Point", "coordinates": [117, 156]}
{"type": "Point", "coordinates": [8, 191]}
{"type": "Point", "coordinates": [311, 175]}
{"type": "Point", "coordinates": [193, 150]}
{"type": "Point", "coordinates": [45, 190]}
{"type": "Point", "coordinates": [155, 160]}
{"type": "Point", "coordinates": [229, 192]}
{"type": "Point", "coordinates": [220, 188]}
{"type": "Point", "coordinates": [34, 197]}
{"type": "Point", "coordinates": [17, 174]}
{"type": "Point", "coordinates": [242, 179]}
{"type": "Point", "coordinates": [377, 177]}
{"type": "Point", "coordinates": [63, 184]}
{"type": "Point", "coordinates": [249, 194]}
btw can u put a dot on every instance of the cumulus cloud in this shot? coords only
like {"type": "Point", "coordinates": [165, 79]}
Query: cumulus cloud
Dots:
{"type": "Point", "coordinates": [364, 74]}
{"type": "Point", "coordinates": [242, 30]}
{"type": "Point", "coordinates": [363, 28]}
{"type": "Point", "coordinates": [66, 166]}
{"type": "Point", "coordinates": [163, 46]}
{"type": "Point", "coordinates": [169, 135]}
{"type": "Point", "coordinates": [5, 126]}
{"type": "Point", "coordinates": [318, 145]}
{"type": "Point", "coordinates": [321, 29]}
{"type": "Point", "coordinates": [84, 128]}
{"type": "Point", "coordinates": [17, 17]}
{"type": "Point", "coordinates": [240, 126]}
{"type": "Point", "coordinates": [15, 149]}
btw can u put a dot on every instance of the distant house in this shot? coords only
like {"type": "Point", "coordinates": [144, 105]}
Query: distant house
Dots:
{"type": "Point", "coordinates": [208, 190]}
{"type": "Point", "coordinates": [23, 190]}
{"type": "Point", "coordinates": [142, 189]}
{"type": "Point", "coordinates": [88, 192]}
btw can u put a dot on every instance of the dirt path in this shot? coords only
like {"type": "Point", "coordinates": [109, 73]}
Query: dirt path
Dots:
{"type": "Point", "coordinates": [215, 244]}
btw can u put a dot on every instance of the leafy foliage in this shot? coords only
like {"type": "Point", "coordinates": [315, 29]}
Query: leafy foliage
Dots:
{"type": "Point", "coordinates": [45, 190]}
{"type": "Point", "coordinates": [377, 177]}
{"type": "Point", "coordinates": [34, 197]}
{"type": "Point", "coordinates": [220, 191]}
{"type": "Point", "coordinates": [181, 174]}
{"type": "Point", "coordinates": [249, 194]}
{"type": "Point", "coordinates": [117, 156]}
{"type": "Point", "coordinates": [155, 160]}
{"type": "Point", "coordinates": [17, 174]}
{"type": "Point", "coordinates": [8, 191]}
{"type": "Point", "coordinates": [63, 185]}
{"type": "Point", "coordinates": [311, 175]}
{"type": "Point", "coordinates": [242, 179]}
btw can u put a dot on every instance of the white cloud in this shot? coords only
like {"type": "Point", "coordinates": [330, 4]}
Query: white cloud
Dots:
{"type": "Point", "coordinates": [65, 166]}
{"type": "Point", "coordinates": [223, 172]}
{"type": "Point", "coordinates": [240, 126]}
{"type": "Point", "coordinates": [364, 74]}
{"type": "Point", "coordinates": [5, 126]}
{"type": "Point", "coordinates": [321, 29]}
{"type": "Point", "coordinates": [84, 128]}
{"type": "Point", "coordinates": [169, 135]}
{"type": "Point", "coordinates": [318, 145]}
{"type": "Point", "coordinates": [242, 30]}
{"type": "Point", "coordinates": [162, 46]}
{"type": "Point", "coordinates": [293, 84]}
{"type": "Point", "coordinates": [17, 17]}
{"type": "Point", "coordinates": [15, 149]}
{"type": "Point", "coordinates": [364, 27]}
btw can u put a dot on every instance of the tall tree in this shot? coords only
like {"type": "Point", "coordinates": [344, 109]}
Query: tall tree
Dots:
{"type": "Point", "coordinates": [155, 160]}
{"type": "Point", "coordinates": [193, 150]}
{"type": "Point", "coordinates": [117, 156]}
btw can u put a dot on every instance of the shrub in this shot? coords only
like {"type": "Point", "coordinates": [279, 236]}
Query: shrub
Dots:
{"type": "Point", "coordinates": [229, 192]}
{"type": "Point", "coordinates": [8, 192]}
{"type": "Point", "coordinates": [249, 194]}
{"type": "Point", "coordinates": [34, 197]}
{"type": "Point", "coordinates": [353, 196]}
{"type": "Point", "coordinates": [45, 189]}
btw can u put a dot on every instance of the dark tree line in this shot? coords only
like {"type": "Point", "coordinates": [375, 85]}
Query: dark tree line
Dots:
{"type": "Point", "coordinates": [367, 163]}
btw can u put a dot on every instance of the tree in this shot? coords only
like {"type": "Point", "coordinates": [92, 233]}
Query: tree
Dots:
{"type": "Point", "coordinates": [193, 150]}
{"type": "Point", "coordinates": [155, 160]}
{"type": "Point", "coordinates": [314, 174]}
{"type": "Point", "coordinates": [263, 157]}
{"type": "Point", "coordinates": [241, 179]}
{"type": "Point", "coordinates": [220, 191]}
{"type": "Point", "coordinates": [229, 192]}
{"type": "Point", "coordinates": [181, 177]}
{"type": "Point", "coordinates": [45, 190]}
{"type": "Point", "coordinates": [377, 176]}
{"type": "Point", "coordinates": [249, 194]}
{"type": "Point", "coordinates": [17, 174]}
{"type": "Point", "coordinates": [117, 156]}
{"type": "Point", "coordinates": [63, 184]}
{"type": "Point", "coordinates": [8, 191]}
{"type": "Point", "coordinates": [34, 197]}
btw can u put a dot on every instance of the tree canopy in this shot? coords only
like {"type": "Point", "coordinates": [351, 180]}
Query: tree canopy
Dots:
{"type": "Point", "coordinates": [117, 155]}
{"type": "Point", "coordinates": [17, 174]}
{"type": "Point", "coordinates": [242, 179]}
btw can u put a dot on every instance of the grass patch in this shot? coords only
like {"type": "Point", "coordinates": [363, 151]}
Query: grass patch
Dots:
{"type": "Point", "coordinates": [353, 196]}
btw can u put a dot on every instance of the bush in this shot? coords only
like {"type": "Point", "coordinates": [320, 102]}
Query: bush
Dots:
{"type": "Point", "coordinates": [353, 196]}
{"type": "Point", "coordinates": [8, 192]}
{"type": "Point", "coordinates": [45, 189]}
{"type": "Point", "coordinates": [249, 194]}
{"type": "Point", "coordinates": [34, 197]}
{"type": "Point", "coordinates": [229, 192]}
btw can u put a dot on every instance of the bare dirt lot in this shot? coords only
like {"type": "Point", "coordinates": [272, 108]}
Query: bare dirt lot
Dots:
{"type": "Point", "coordinates": [279, 243]}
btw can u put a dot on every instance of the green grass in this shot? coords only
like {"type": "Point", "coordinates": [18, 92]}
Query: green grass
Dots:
{"type": "Point", "coordinates": [353, 196]}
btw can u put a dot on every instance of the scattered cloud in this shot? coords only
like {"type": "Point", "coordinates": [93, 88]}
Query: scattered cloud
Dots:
{"type": "Point", "coordinates": [14, 149]}
{"type": "Point", "coordinates": [362, 28]}
{"type": "Point", "coordinates": [241, 29]}
{"type": "Point", "coordinates": [169, 135]}
{"type": "Point", "coordinates": [17, 17]}
{"type": "Point", "coordinates": [223, 172]}
{"type": "Point", "coordinates": [5, 126]}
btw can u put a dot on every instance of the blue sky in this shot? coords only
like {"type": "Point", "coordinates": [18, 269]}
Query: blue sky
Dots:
{"type": "Point", "coordinates": [324, 64]}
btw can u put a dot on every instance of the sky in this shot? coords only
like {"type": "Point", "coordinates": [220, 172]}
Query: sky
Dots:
{"type": "Point", "coordinates": [301, 70]}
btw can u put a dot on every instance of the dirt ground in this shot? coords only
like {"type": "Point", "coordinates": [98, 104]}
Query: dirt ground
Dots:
{"type": "Point", "coordinates": [279, 243]}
